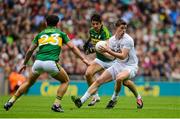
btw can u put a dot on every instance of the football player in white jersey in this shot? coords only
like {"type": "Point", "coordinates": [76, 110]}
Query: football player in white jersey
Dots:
{"type": "Point", "coordinates": [121, 46]}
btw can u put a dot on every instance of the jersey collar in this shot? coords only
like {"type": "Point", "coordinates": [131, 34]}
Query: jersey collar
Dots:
{"type": "Point", "coordinates": [99, 30]}
{"type": "Point", "coordinates": [51, 27]}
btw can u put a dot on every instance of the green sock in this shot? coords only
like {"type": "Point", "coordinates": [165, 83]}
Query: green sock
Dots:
{"type": "Point", "coordinates": [58, 100]}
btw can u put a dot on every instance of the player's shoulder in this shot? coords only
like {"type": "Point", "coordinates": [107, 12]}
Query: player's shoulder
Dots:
{"type": "Point", "coordinates": [112, 37]}
{"type": "Point", "coordinates": [39, 34]}
{"type": "Point", "coordinates": [91, 29]}
{"type": "Point", "coordinates": [56, 30]}
{"type": "Point", "coordinates": [105, 29]}
{"type": "Point", "coordinates": [61, 32]}
{"type": "Point", "coordinates": [127, 37]}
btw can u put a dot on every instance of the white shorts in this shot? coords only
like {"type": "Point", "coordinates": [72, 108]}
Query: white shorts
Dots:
{"type": "Point", "coordinates": [117, 68]}
{"type": "Point", "coordinates": [50, 67]}
{"type": "Point", "coordinates": [105, 65]}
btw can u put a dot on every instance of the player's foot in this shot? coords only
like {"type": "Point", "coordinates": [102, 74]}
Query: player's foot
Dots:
{"type": "Point", "coordinates": [94, 101]}
{"type": "Point", "coordinates": [111, 104]}
{"type": "Point", "coordinates": [57, 108]}
{"type": "Point", "coordinates": [139, 103]}
{"type": "Point", "coordinates": [8, 105]}
{"type": "Point", "coordinates": [76, 101]}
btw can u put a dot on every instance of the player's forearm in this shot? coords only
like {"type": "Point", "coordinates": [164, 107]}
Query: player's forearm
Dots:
{"type": "Point", "coordinates": [76, 51]}
{"type": "Point", "coordinates": [117, 54]}
{"type": "Point", "coordinates": [27, 57]}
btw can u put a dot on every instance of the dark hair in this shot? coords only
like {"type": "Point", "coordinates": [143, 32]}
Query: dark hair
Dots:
{"type": "Point", "coordinates": [96, 17]}
{"type": "Point", "coordinates": [52, 20]}
{"type": "Point", "coordinates": [120, 22]}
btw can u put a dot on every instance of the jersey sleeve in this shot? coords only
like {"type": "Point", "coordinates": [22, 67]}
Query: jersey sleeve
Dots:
{"type": "Point", "coordinates": [128, 44]}
{"type": "Point", "coordinates": [65, 38]}
{"type": "Point", "coordinates": [107, 33]}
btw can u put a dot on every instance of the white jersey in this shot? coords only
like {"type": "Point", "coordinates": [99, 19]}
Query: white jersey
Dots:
{"type": "Point", "coordinates": [125, 42]}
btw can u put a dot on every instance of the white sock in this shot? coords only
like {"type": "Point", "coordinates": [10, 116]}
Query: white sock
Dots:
{"type": "Point", "coordinates": [96, 95]}
{"type": "Point", "coordinates": [139, 96]}
{"type": "Point", "coordinates": [85, 97]}
{"type": "Point", "coordinates": [114, 96]}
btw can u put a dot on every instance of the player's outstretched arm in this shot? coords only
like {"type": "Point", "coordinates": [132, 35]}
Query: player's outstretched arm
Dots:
{"type": "Point", "coordinates": [76, 51]}
{"type": "Point", "coordinates": [27, 56]}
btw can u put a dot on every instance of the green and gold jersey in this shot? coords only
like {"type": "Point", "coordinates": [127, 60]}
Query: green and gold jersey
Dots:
{"type": "Point", "coordinates": [95, 37]}
{"type": "Point", "coordinates": [50, 42]}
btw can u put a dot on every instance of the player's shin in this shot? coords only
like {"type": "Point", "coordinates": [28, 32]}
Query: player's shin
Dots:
{"type": "Point", "coordinates": [85, 97]}
{"type": "Point", "coordinates": [116, 90]}
{"type": "Point", "coordinates": [60, 92]}
{"type": "Point", "coordinates": [92, 89]}
{"type": "Point", "coordinates": [21, 90]}
{"type": "Point", "coordinates": [132, 87]}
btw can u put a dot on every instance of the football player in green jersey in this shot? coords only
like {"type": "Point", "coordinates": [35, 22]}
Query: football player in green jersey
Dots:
{"type": "Point", "coordinates": [49, 41]}
{"type": "Point", "coordinates": [98, 32]}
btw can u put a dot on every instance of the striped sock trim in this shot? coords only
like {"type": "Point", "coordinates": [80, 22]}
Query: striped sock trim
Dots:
{"type": "Point", "coordinates": [58, 97]}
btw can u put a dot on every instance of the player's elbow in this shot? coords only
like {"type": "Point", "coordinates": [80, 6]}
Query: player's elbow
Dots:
{"type": "Point", "coordinates": [122, 57]}
{"type": "Point", "coordinates": [72, 47]}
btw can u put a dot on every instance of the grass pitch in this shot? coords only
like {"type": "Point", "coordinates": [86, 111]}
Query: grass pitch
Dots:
{"type": "Point", "coordinates": [40, 107]}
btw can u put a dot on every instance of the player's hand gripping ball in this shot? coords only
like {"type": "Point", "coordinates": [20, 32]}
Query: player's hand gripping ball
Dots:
{"type": "Point", "coordinates": [100, 44]}
{"type": "Point", "coordinates": [105, 45]}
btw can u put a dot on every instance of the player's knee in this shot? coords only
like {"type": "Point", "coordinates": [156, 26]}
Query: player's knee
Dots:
{"type": "Point", "coordinates": [28, 83]}
{"type": "Point", "coordinates": [125, 83]}
{"type": "Point", "coordinates": [99, 82]}
{"type": "Point", "coordinates": [119, 79]}
{"type": "Point", "coordinates": [65, 81]}
{"type": "Point", "coordinates": [68, 81]}
{"type": "Point", "coordinates": [88, 74]}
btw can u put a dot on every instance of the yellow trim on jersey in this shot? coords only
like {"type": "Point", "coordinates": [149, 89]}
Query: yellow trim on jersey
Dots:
{"type": "Point", "coordinates": [60, 41]}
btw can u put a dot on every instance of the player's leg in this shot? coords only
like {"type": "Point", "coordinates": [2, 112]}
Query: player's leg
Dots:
{"type": "Point", "coordinates": [64, 79]}
{"type": "Point", "coordinates": [91, 71]}
{"type": "Point", "coordinates": [119, 79]}
{"type": "Point", "coordinates": [90, 75]}
{"type": "Point", "coordinates": [114, 97]}
{"type": "Point", "coordinates": [103, 78]}
{"type": "Point", "coordinates": [132, 87]}
{"type": "Point", "coordinates": [123, 77]}
{"type": "Point", "coordinates": [130, 84]}
{"type": "Point", "coordinates": [21, 90]}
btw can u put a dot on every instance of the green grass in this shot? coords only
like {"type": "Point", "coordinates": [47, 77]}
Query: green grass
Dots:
{"type": "Point", "coordinates": [39, 107]}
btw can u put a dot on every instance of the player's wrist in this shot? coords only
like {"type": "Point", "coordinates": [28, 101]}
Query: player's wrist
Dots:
{"type": "Point", "coordinates": [108, 50]}
{"type": "Point", "coordinates": [83, 59]}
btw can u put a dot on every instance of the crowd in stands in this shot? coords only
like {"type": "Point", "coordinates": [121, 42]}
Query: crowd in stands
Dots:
{"type": "Point", "coordinates": [154, 25]}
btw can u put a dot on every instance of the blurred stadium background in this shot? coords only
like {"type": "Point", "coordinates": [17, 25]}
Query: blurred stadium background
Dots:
{"type": "Point", "coordinates": [154, 24]}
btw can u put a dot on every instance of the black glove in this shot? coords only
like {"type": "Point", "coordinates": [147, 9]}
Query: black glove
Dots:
{"type": "Point", "coordinates": [88, 48]}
